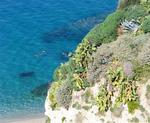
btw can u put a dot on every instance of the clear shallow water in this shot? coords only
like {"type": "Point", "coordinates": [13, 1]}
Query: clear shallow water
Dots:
{"type": "Point", "coordinates": [33, 36]}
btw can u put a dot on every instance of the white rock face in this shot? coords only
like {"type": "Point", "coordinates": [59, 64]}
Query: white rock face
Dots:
{"type": "Point", "coordinates": [73, 115]}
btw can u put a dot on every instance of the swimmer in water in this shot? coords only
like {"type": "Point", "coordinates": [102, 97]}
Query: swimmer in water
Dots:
{"type": "Point", "coordinates": [40, 54]}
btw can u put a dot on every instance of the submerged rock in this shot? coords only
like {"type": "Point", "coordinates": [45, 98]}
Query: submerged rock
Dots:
{"type": "Point", "coordinates": [26, 74]}
{"type": "Point", "coordinates": [63, 32]}
{"type": "Point", "coordinates": [75, 30]}
{"type": "Point", "coordinates": [40, 90]}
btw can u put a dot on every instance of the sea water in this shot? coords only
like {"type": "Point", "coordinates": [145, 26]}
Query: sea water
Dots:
{"type": "Point", "coordinates": [35, 37]}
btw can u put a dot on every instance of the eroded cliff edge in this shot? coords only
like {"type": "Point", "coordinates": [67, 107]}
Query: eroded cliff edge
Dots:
{"type": "Point", "coordinates": [107, 79]}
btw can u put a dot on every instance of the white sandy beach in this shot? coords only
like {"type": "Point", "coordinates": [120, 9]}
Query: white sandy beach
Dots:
{"type": "Point", "coordinates": [40, 119]}
{"type": "Point", "coordinates": [36, 120]}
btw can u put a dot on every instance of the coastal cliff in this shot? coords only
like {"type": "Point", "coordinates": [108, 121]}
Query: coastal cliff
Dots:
{"type": "Point", "coordinates": [107, 78]}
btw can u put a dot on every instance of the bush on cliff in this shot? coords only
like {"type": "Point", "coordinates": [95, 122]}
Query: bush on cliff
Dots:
{"type": "Point", "coordinates": [124, 3]}
{"type": "Point", "coordinates": [107, 31]}
{"type": "Point", "coordinates": [79, 82]}
{"type": "Point", "coordinates": [103, 99]}
{"type": "Point", "coordinates": [132, 106]}
{"type": "Point", "coordinates": [147, 92]}
{"type": "Point", "coordinates": [83, 53]}
{"type": "Point", "coordinates": [134, 12]}
{"type": "Point", "coordinates": [146, 25]}
{"type": "Point", "coordinates": [126, 87]}
{"type": "Point", "coordinates": [63, 71]}
{"type": "Point", "coordinates": [52, 94]}
{"type": "Point", "coordinates": [64, 95]}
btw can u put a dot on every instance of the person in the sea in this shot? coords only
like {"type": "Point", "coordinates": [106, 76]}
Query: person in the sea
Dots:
{"type": "Point", "coordinates": [43, 52]}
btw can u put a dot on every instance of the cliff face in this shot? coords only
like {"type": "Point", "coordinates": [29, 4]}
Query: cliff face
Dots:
{"type": "Point", "coordinates": [107, 79]}
{"type": "Point", "coordinates": [81, 111]}
{"type": "Point", "coordinates": [114, 66]}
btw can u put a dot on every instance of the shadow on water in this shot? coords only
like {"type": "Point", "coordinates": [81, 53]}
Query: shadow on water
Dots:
{"type": "Point", "coordinates": [62, 33]}
{"type": "Point", "coordinates": [27, 77]}
{"type": "Point", "coordinates": [73, 31]}
{"type": "Point", "coordinates": [40, 90]}
{"type": "Point", "coordinates": [27, 74]}
{"type": "Point", "coordinates": [30, 77]}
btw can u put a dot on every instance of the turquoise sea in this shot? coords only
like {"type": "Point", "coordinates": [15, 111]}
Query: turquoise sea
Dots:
{"type": "Point", "coordinates": [35, 36]}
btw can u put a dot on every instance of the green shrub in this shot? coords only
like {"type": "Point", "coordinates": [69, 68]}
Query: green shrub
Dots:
{"type": "Point", "coordinates": [64, 95]}
{"type": "Point", "coordinates": [134, 12]}
{"type": "Point", "coordinates": [145, 1]}
{"type": "Point", "coordinates": [132, 106]}
{"type": "Point", "coordinates": [63, 119]}
{"type": "Point", "coordinates": [117, 111]}
{"type": "Point", "coordinates": [142, 109]}
{"type": "Point", "coordinates": [128, 94]}
{"type": "Point", "coordinates": [134, 120]}
{"type": "Point", "coordinates": [88, 96]}
{"type": "Point", "coordinates": [116, 76]}
{"type": "Point", "coordinates": [86, 107]}
{"type": "Point", "coordinates": [72, 72]}
{"type": "Point", "coordinates": [146, 25]}
{"type": "Point", "coordinates": [103, 99]}
{"type": "Point", "coordinates": [106, 31]}
{"type": "Point", "coordinates": [76, 105]}
{"type": "Point", "coordinates": [48, 120]}
{"type": "Point", "coordinates": [62, 72]}
{"type": "Point", "coordinates": [83, 53]}
{"type": "Point", "coordinates": [124, 3]}
{"type": "Point", "coordinates": [148, 92]}
{"type": "Point", "coordinates": [142, 72]}
{"type": "Point", "coordinates": [146, 4]}
{"type": "Point", "coordinates": [148, 119]}
{"type": "Point", "coordinates": [127, 87]}
{"type": "Point", "coordinates": [79, 83]}
{"type": "Point", "coordinates": [52, 94]}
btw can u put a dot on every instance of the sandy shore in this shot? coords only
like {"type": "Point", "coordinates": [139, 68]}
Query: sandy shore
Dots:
{"type": "Point", "coordinates": [40, 119]}
{"type": "Point", "coordinates": [36, 120]}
